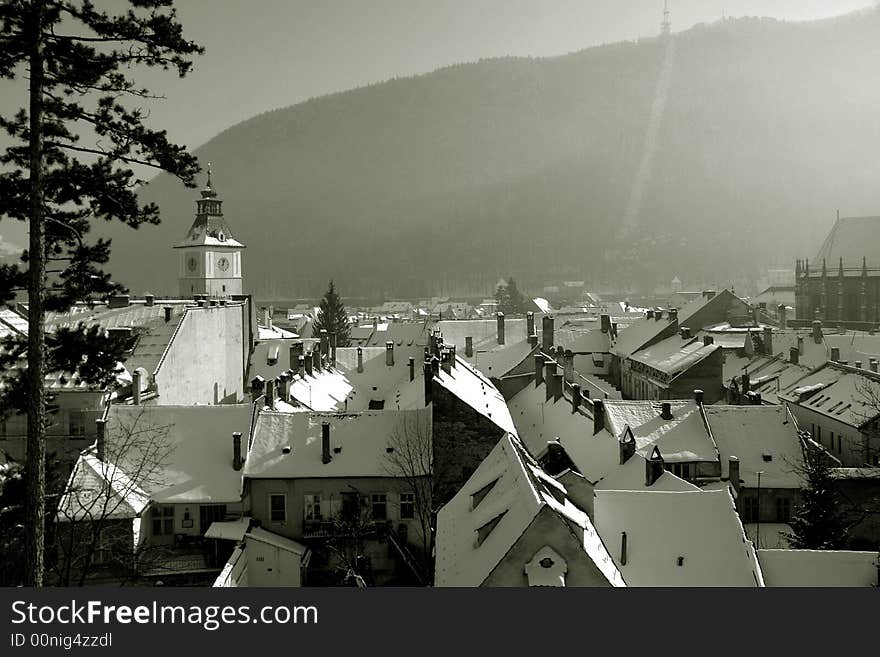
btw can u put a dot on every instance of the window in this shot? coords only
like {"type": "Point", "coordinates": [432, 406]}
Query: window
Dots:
{"type": "Point", "coordinates": [783, 509]}
{"type": "Point", "coordinates": [407, 506]}
{"type": "Point", "coordinates": [751, 509]}
{"type": "Point", "coordinates": [486, 529]}
{"type": "Point", "coordinates": [380, 511]}
{"type": "Point", "coordinates": [313, 507]}
{"type": "Point", "coordinates": [477, 497]}
{"type": "Point", "coordinates": [2, 429]}
{"type": "Point", "coordinates": [76, 424]}
{"type": "Point", "coordinates": [349, 506]}
{"type": "Point", "coordinates": [278, 508]}
{"type": "Point", "coordinates": [163, 520]}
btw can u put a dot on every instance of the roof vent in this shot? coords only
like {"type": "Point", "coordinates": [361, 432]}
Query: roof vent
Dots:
{"type": "Point", "coordinates": [767, 456]}
{"type": "Point", "coordinates": [285, 449]}
{"type": "Point", "coordinates": [336, 450]}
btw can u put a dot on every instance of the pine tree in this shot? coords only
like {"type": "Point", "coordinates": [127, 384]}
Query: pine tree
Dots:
{"type": "Point", "coordinates": [818, 520]}
{"type": "Point", "coordinates": [333, 317]}
{"type": "Point", "coordinates": [510, 300]}
{"type": "Point", "coordinates": [71, 165]}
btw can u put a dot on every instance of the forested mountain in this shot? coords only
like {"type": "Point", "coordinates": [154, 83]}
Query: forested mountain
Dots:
{"type": "Point", "coordinates": [442, 182]}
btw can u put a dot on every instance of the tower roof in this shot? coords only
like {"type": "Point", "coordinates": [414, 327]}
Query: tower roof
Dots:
{"type": "Point", "coordinates": [853, 240]}
{"type": "Point", "coordinates": [210, 227]}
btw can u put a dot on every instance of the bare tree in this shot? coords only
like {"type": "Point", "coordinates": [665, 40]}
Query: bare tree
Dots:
{"type": "Point", "coordinates": [104, 498]}
{"type": "Point", "coordinates": [410, 461]}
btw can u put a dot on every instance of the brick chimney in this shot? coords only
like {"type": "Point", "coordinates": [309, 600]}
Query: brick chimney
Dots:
{"type": "Point", "coordinates": [533, 340]}
{"type": "Point", "coordinates": [389, 353]}
{"type": "Point", "coordinates": [733, 473]}
{"type": "Point", "coordinates": [793, 355]}
{"type": "Point", "coordinates": [658, 315]}
{"type": "Point", "coordinates": [136, 387]}
{"type": "Point", "coordinates": [872, 364]}
{"type": "Point", "coordinates": [782, 313]}
{"type": "Point", "coordinates": [119, 301]}
{"type": "Point", "coordinates": [707, 340]}
{"type": "Point", "coordinates": [257, 386]}
{"type": "Point", "coordinates": [149, 299]}
{"type": "Point", "coordinates": [325, 342]}
{"type": "Point", "coordinates": [530, 324]}
{"type": "Point", "coordinates": [296, 350]}
{"type": "Point", "coordinates": [858, 364]}
{"type": "Point", "coordinates": [557, 386]}
{"type": "Point", "coordinates": [673, 314]}
{"type": "Point", "coordinates": [309, 362]}
{"type": "Point", "coordinates": [549, 371]}
{"type": "Point", "coordinates": [333, 349]}
{"type": "Point", "coordinates": [539, 370]}
{"type": "Point", "coordinates": [283, 389]}
{"type": "Point", "coordinates": [168, 311]}
{"type": "Point", "coordinates": [649, 314]}
{"type": "Point", "coordinates": [499, 320]}
{"type": "Point", "coordinates": [666, 411]}
{"type": "Point", "coordinates": [626, 447]}
{"type": "Point", "coordinates": [653, 467]}
{"type": "Point", "coordinates": [768, 340]}
{"type": "Point", "coordinates": [685, 333]}
{"type": "Point", "coordinates": [360, 360]}
{"type": "Point", "coordinates": [469, 346]}
{"type": "Point", "coordinates": [547, 335]}
{"type": "Point", "coordinates": [428, 376]}
{"type": "Point", "coordinates": [835, 354]}
{"type": "Point", "coordinates": [800, 345]}
{"type": "Point", "coordinates": [326, 457]}
{"type": "Point", "coordinates": [605, 323]}
{"type": "Point", "coordinates": [568, 365]}
{"type": "Point", "coordinates": [699, 396]}
{"type": "Point", "coordinates": [709, 294]}
{"type": "Point", "coordinates": [316, 358]}
{"type": "Point", "coordinates": [267, 317]}
{"type": "Point", "coordinates": [435, 366]}
{"type": "Point", "coordinates": [576, 397]}
{"type": "Point", "coordinates": [237, 461]}
{"type": "Point", "coordinates": [817, 331]}
{"type": "Point", "coordinates": [744, 383]}
{"type": "Point", "coordinates": [598, 416]}
{"type": "Point", "coordinates": [101, 438]}
{"type": "Point", "coordinates": [270, 393]}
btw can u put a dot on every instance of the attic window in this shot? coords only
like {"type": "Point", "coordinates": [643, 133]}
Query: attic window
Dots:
{"type": "Point", "coordinates": [477, 497]}
{"type": "Point", "coordinates": [843, 409]}
{"type": "Point", "coordinates": [484, 531]}
{"type": "Point", "coordinates": [222, 237]}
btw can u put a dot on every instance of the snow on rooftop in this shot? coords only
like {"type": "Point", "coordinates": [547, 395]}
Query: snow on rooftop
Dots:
{"type": "Point", "coordinates": [683, 538]}
{"type": "Point", "coordinates": [631, 476]}
{"type": "Point", "coordinates": [273, 539]}
{"type": "Point", "coordinates": [231, 530]}
{"type": "Point", "coordinates": [839, 392]}
{"type": "Point", "coordinates": [819, 568]}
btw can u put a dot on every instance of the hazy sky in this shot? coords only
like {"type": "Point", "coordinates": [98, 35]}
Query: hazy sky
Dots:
{"type": "Point", "coordinates": [264, 54]}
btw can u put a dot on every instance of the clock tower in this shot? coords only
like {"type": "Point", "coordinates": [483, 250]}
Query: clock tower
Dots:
{"type": "Point", "coordinates": [210, 257]}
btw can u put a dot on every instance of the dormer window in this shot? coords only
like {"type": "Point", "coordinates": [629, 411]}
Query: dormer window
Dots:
{"type": "Point", "coordinates": [484, 531]}
{"type": "Point", "coordinates": [478, 497]}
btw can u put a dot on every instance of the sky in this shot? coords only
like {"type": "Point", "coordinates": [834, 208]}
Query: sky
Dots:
{"type": "Point", "coordinates": [265, 54]}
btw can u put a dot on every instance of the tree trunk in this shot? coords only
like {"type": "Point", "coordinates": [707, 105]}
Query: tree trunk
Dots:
{"type": "Point", "coordinates": [36, 404]}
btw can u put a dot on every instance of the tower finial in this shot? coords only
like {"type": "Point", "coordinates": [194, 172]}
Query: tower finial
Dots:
{"type": "Point", "coordinates": [210, 165]}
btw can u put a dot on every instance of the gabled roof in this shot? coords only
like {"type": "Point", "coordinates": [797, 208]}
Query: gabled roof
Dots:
{"type": "Point", "coordinates": [763, 438]}
{"type": "Point", "coordinates": [840, 392]}
{"type": "Point", "coordinates": [631, 476]}
{"type": "Point", "coordinates": [512, 490]}
{"type": "Point", "coordinates": [698, 529]}
{"type": "Point", "coordinates": [673, 355]}
{"type": "Point", "coordinates": [362, 440]}
{"type": "Point", "coordinates": [851, 238]}
{"type": "Point", "coordinates": [499, 362]}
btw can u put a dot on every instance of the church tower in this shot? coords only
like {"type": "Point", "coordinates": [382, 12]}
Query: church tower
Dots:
{"type": "Point", "coordinates": [210, 257]}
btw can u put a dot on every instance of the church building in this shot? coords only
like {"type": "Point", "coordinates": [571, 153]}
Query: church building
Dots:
{"type": "Point", "coordinates": [842, 284]}
{"type": "Point", "coordinates": [210, 256]}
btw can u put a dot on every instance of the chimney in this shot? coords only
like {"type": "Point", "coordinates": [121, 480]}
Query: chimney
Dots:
{"type": "Point", "coordinates": [614, 329]}
{"type": "Point", "coordinates": [699, 396]}
{"type": "Point", "coordinates": [428, 376]}
{"type": "Point", "coordinates": [653, 467]}
{"type": "Point", "coordinates": [539, 370]}
{"type": "Point", "coordinates": [658, 315]}
{"type": "Point", "coordinates": [649, 314]}
{"type": "Point", "coordinates": [673, 315]}
{"type": "Point", "coordinates": [325, 443]}
{"type": "Point", "coordinates": [666, 411]}
{"type": "Point", "coordinates": [283, 389]}
{"type": "Point", "coordinates": [800, 344]}
{"type": "Point", "coordinates": [499, 319]}
{"type": "Point", "coordinates": [435, 366]}
{"type": "Point", "coordinates": [858, 364]}
{"type": "Point", "coordinates": [375, 323]}
{"type": "Point", "coordinates": [267, 318]}
{"type": "Point", "coordinates": [333, 349]}
{"type": "Point", "coordinates": [149, 299]}
{"type": "Point", "coordinates": [626, 447]}
{"type": "Point", "coordinates": [236, 451]}
{"type": "Point", "coordinates": [202, 303]}
{"type": "Point", "coordinates": [556, 460]}
{"type": "Point", "coordinates": [817, 331]}
{"type": "Point", "coordinates": [872, 364]}
{"type": "Point", "coordinates": [136, 387]}
{"type": "Point", "coordinates": [622, 548]}
{"type": "Point", "coordinates": [167, 310]}
{"type": "Point", "coordinates": [568, 365]}
{"type": "Point", "coordinates": [557, 386]}
{"type": "Point", "coordinates": [707, 340]}
{"type": "Point", "coordinates": [835, 354]}
{"type": "Point", "coordinates": [782, 313]}
{"type": "Point", "coordinates": [316, 358]}
{"type": "Point", "coordinates": [101, 438]}
{"type": "Point", "coordinates": [598, 416]}
{"type": "Point", "coordinates": [733, 473]}
{"type": "Point", "coordinates": [549, 371]}
{"type": "Point", "coordinates": [270, 393]}
{"type": "Point", "coordinates": [547, 336]}
{"type": "Point", "coordinates": [469, 346]}
{"type": "Point", "coordinates": [530, 324]}
{"type": "Point", "coordinates": [575, 397]}
{"type": "Point", "coordinates": [412, 368]}
{"type": "Point", "coordinates": [118, 301]}
{"type": "Point", "coordinates": [744, 383]}
{"type": "Point", "coordinates": [389, 353]}
{"type": "Point", "coordinates": [257, 385]}
{"type": "Point", "coordinates": [296, 350]}
{"type": "Point", "coordinates": [360, 365]}
{"type": "Point", "coordinates": [605, 323]}
{"type": "Point", "coordinates": [793, 355]}
{"type": "Point", "coordinates": [445, 365]}
{"type": "Point", "coordinates": [309, 362]}
{"type": "Point", "coordinates": [768, 340]}
{"type": "Point", "coordinates": [709, 294]}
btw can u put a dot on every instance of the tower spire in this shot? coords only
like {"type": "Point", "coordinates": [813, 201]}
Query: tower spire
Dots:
{"type": "Point", "coordinates": [666, 23]}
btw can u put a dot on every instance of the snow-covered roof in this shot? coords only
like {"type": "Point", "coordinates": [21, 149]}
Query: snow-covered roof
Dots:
{"type": "Point", "coordinates": [517, 491]}
{"type": "Point", "coordinates": [840, 392]}
{"type": "Point", "coordinates": [230, 530]}
{"type": "Point", "coordinates": [673, 355]}
{"type": "Point", "coordinates": [763, 438]}
{"type": "Point", "coordinates": [676, 538]}
{"type": "Point", "coordinates": [97, 490]}
{"type": "Point", "coordinates": [631, 476]}
{"type": "Point", "coordinates": [273, 539]}
{"type": "Point", "coordinates": [289, 445]}
{"type": "Point", "coordinates": [499, 362]}
{"type": "Point", "coordinates": [818, 568]}
{"type": "Point", "coordinates": [682, 438]}
{"type": "Point", "coordinates": [274, 333]}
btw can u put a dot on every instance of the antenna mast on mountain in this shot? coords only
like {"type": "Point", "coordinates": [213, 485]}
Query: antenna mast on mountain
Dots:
{"type": "Point", "coordinates": [666, 25]}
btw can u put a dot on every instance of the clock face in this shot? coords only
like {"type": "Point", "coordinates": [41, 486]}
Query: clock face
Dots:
{"type": "Point", "coordinates": [192, 263]}
{"type": "Point", "coordinates": [223, 264]}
